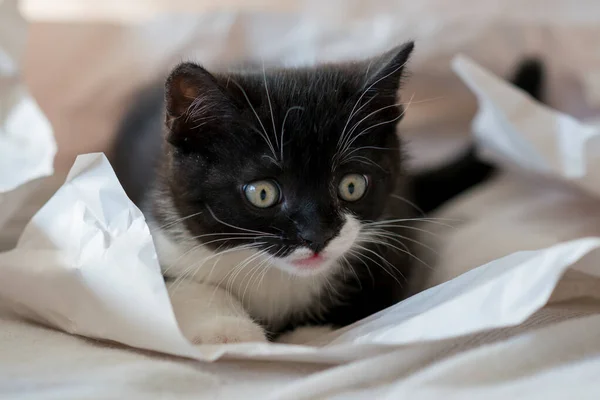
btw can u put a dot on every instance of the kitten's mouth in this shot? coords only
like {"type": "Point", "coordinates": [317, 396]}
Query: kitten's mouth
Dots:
{"type": "Point", "coordinates": [314, 261]}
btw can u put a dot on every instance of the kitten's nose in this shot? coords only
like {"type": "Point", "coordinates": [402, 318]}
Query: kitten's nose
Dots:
{"type": "Point", "coordinates": [316, 240]}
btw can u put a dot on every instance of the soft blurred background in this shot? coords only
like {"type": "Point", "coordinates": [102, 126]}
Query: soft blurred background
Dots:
{"type": "Point", "coordinates": [86, 58]}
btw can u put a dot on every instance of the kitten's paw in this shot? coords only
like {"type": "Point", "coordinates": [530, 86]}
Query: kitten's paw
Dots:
{"type": "Point", "coordinates": [228, 330]}
{"type": "Point", "coordinates": [304, 334]}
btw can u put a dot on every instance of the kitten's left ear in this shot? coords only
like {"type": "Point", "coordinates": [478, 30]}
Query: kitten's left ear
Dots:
{"type": "Point", "coordinates": [385, 72]}
{"type": "Point", "coordinates": [195, 94]}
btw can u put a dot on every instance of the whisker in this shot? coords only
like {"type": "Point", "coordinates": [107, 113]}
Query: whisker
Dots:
{"type": "Point", "coordinates": [210, 242]}
{"type": "Point", "coordinates": [363, 160]}
{"type": "Point", "coordinates": [407, 252]}
{"type": "Point", "coordinates": [357, 256]}
{"type": "Point", "coordinates": [266, 135]}
{"type": "Point", "coordinates": [435, 221]}
{"type": "Point", "coordinates": [357, 149]}
{"type": "Point", "coordinates": [270, 106]}
{"type": "Point", "coordinates": [352, 114]}
{"type": "Point", "coordinates": [201, 262]}
{"type": "Point", "coordinates": [408, 227]}
{"type": "Point", "coordinates": [410, 203]}
{"type": "Point", "coordinates": [408, 104]}
{"type": "Point", "coordinates": [264, 265]}
{"type": "Point", "coordinates": [364, 131]}
{"type": "Point", "coordinates": [218, 285]}
{"type": "Point", "coordinates": [369, 88]}
{"type": "Point", "coordinates": [232, 275]}
{"type": "Point", "coordinates": [351, 268]}
{"type": "Point", "coordinates": [175, 222]}
{"type": "Point", "coordinates": [237, 227]}
{"type": "Point", "coordinates": [283, 129]}
{"type": "Point", "coordinates": [345, 144]}
{"type": "Point", "coordinates": [378, 264]}
{"type": "Point", "coordinates": [394, 236]}
{"type": "Point", "coordinates": [216, 262]}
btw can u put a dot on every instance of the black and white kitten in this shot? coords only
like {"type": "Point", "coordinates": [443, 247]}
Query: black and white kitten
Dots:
{"type": "Point", "coordinates": [276, 197]}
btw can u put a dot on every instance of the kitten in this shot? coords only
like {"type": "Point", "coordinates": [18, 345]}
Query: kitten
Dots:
{"type": "Point", "coordinates": [278, 198]}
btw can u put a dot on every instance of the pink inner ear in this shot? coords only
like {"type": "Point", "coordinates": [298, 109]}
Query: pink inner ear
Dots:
{"type": "Point", "coordinates": [188, 91]}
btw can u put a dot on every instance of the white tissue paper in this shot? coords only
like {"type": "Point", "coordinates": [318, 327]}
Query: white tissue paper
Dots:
{"type": "Point", "coordinates": [27, 146]}
{"type": "Point", "coordinates": [512, 126]}
{"type": "Point", "coordinates": [86, 262]}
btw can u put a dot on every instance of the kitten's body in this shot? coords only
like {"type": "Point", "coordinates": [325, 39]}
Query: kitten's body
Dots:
{"type": "Point", "coordinates": [235, 268]}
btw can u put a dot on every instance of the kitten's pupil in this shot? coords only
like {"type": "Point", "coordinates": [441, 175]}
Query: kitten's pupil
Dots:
{"type": "Point", "coordinates": [263, 195]}
{"type": "Point", "coordinates": [351, 188]}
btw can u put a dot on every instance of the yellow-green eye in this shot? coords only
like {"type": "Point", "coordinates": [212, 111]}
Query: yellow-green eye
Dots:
{"type": "Point", "coordinates": [262, 194]}
{"type": "Point", "coordinates": [352, 187]}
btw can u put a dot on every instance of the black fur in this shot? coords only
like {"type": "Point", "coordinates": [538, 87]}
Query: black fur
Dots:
{"type": "Point", "coordinates": [215, 144]}
{"type": "Point", "coordinates": [430, 189]}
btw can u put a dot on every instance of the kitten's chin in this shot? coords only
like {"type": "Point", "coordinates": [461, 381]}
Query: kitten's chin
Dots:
{"type": "Point", "coordinates": [307, 267]}
{"type": "Point", "coordinates": [303, 262]}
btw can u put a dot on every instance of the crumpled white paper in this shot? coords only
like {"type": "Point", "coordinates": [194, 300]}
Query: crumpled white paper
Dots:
{"type": "Point", "coordinates": [86, 264]}
{"type": "Point", "coordinates": [27, 146]}
{"type": "Point", "coordinates": [513, 126]}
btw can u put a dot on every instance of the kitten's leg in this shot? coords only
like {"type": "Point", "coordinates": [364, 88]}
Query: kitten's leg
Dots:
{"type": "Point", "coordinates": [207, 314]}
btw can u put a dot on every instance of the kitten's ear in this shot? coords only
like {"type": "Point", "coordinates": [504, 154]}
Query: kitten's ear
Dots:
{"type": "Point", "coordinates": [385, 72]}
{"type": "Point", "coordinates": [192, 94]}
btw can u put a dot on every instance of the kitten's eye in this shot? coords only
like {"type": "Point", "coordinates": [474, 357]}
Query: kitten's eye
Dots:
{"type": "Point", "coordinates": [352, 187]}
{"type": "Point", "coordinates": [262, 194]}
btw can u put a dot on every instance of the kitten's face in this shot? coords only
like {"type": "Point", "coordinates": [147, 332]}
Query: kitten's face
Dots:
{"type": "Point", "coordinates": [288, 163]}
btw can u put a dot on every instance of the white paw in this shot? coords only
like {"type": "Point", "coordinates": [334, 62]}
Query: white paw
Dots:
{"type": "Point", "coordinates": [304, 334]}
{"type": "Point", "coordinates": [228, 330]}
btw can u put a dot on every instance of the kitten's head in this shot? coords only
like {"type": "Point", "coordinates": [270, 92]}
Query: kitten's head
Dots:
{"type": "Point", "coordinates": [286, 162]}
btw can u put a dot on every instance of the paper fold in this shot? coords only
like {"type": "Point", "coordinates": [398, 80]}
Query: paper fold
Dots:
{"type": "Point", "coordinates": [514, 128]}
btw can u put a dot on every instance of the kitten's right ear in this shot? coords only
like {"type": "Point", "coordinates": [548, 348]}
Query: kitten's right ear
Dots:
{"type": "Point", "coordinates": [191, 95]}
{"type": "Point", "coordinates": [386, 71]}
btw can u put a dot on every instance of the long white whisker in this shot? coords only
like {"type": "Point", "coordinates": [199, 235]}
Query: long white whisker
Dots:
{"type": "Point", "coordinates": [417, 219]}
{"type": "Point", "coordinates": [394, 236]}
{"type": "Point", "coordinates": [369, 88]}
{"type": "Point", "coordinates": [405, 251]}
{"type": "Point", "coordinates": [216, 254]}
{"type": "Point", "coordinates": [351, 268]}
{"type": "Point", "coordinates": [266, 135]}
{"type": "Point", "coordinates": [408, 227]}
{"type": "Point", "coordinates": [270, 106]}
{"type": "Point", "coordinates": [349, 143]}
{"type": "Point", "coordinates": [410, 203]}
{"type": "Point", "coordinates": [382, 267]}
{"type": "Point", "coordinates": [435, 221]}
{"type": "Point", "coordinates": [363, 160]}
{"type": "Point", "coordinates": [174, 222]}
{"type": "Point", "coordinates": [254, 246]}
{"type": "Point", "coordinates": [345, 145]}
{"type": "Point", "coordinates": [237, 227]}
{"type": "Point", "coordinates": [283, 129]}
{"type": "Point", "coordinates": [235, 271]}
{"type": "Point", "coordinates": [358, 255]}
{"type": "Point", "coordinates": [233, 277]}
{"type": "Point", "coordinates": [256, 270]}
{"type": "Point", "coordinates": [352, 114]}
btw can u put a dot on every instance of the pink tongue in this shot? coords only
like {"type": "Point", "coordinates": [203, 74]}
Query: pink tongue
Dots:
{"type": "Point", "coordinates": [315, 258]}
